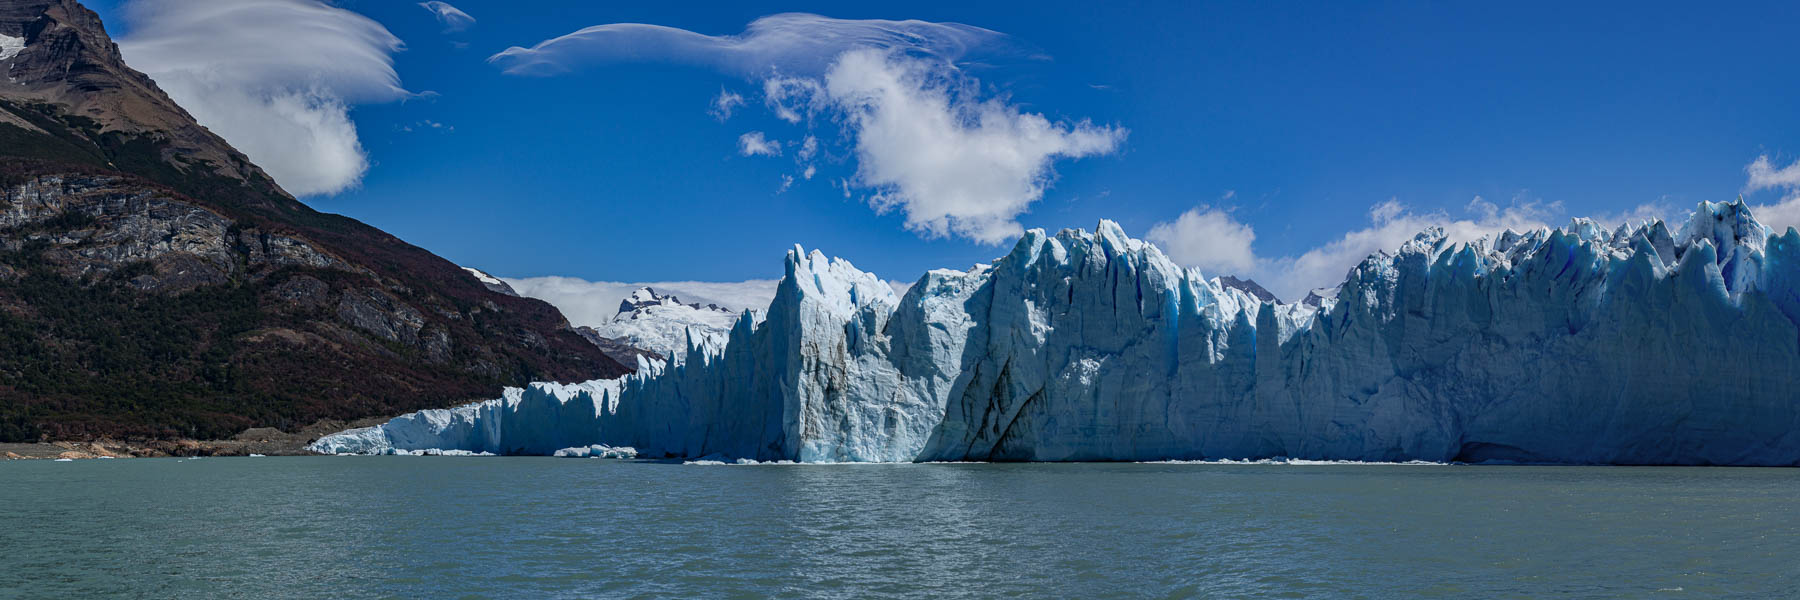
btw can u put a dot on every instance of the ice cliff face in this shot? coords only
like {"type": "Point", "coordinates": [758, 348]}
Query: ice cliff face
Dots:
{"type": "Point", "coordinates": [1640, 345]}
{"type": "Point", "coordinates": [536, 420]}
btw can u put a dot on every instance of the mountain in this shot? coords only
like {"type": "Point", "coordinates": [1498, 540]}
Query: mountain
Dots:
{"type": "Point", "coordinates": [1576, 345]}
{"type": "Point", "coordinates": [663, 326]}
{"type": "Point", "coordinates": [617, 348]}
{"type": "Point", "coordinates": [492, 283]}
{"type": "Point", "coordinates": [154, 283]}
{"type": "Point", "coordinates": [1248, 286]}
{"type": "Point", "coordinates": [1320, 298]}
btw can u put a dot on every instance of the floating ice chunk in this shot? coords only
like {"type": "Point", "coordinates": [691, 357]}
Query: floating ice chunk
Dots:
{"type": "Point", "coordinates": [596, 451]}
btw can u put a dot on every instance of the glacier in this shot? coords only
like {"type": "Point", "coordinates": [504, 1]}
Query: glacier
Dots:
{"type": "Point", "coordinates": [1577, 345]}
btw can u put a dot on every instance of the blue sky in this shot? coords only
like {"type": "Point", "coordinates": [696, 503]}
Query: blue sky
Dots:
{"type": "Point", "coordinates": [1281, 130]}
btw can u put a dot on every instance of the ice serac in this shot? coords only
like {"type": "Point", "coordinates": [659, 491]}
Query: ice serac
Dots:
{"type": "Point", "coordinates": [1639, 345]}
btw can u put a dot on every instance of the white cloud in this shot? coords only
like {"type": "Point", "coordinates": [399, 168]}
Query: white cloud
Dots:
{"type": "Point", "coordinates": [1636, 215]}
{"type": "Point", "coordinates": [1779, 216]}
{"type": "Point", "coordinates": [723, 104]}
{"type": "Point", "coordinates": [808, 148]}
{"type": "Point", "coordinates": [454, 19]}
{"type": "Point", "coordinates": [792, 43]}
{"type": "Point", "coordinates": [952, 164]}
{"type": "Point", "coordinates": [1763, 175]}
{"type": "Point", "coordinates": [788, 97]}
{"type": "Point", "coordinates": [1392, 225]}
{"type": "Point", "coordinates": [595, 302]}
{"type": "Point", "coordinates": [1202, 237]}
{"type": "Point", "coordinates": [275, 78]}
{"type": "Point", "coordinates": [754, 144]}
{"type": "Point", "coordinates": [1209, 239]}
{"type": "Point", "coordinates": [787, 181]}
{"type": "Point", "coordinates": [924, 140]}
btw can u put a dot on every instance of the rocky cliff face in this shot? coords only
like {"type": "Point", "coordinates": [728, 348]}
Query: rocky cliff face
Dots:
{"type": "Point", "coordinates": [90, 226]}
{"type": "Point", "coordinates": [155, 283]}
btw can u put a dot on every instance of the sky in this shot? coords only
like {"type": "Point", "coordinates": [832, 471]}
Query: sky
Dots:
{"type": "Point", "coordinates": [606, 143]}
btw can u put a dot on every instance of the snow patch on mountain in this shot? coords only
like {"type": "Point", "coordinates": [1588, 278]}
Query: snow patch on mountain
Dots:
{"type": "Point", "coordinates": [10, 46]}
{"type": "Point", "coordinates": [491, 282]}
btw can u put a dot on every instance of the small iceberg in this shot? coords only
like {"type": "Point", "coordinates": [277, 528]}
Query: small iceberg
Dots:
{"type": "Point", "coordinates": [597, 451]}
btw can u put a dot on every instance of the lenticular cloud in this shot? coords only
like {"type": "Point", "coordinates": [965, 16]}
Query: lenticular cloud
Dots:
{"type": "Point", "coordinates": [795, 44]}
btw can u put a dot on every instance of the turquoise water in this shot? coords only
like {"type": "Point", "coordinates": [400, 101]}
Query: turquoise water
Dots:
{"type": "Point", "coordinates": [439, 527]}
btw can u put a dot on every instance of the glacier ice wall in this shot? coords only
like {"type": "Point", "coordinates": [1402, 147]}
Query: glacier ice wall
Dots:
{"type": "Point", "coordinates": [1576, 345]}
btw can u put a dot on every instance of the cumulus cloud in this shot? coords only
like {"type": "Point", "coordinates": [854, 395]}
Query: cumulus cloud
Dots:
{"type": "Point", "coordinates": [1392, 224]}
{"type": "Point", "coordinates": [275, 78]}
{"type": "Point", "coordinates": [1202, 237]}
{"type": "Point", "coordinates": [1209, 239]}
{"type": "Point", "coordinates": [595, 302]}
{"type": "Point", "coordinates": [454, 19]}
{"type": "Point", "coordinates": [754, 144]}
{"type": "Point", "coordinates": [1763, 175]}
{"type": "Point", "coordinates": [924, 140]}
{"type": "Point", "coordinates": [1649, 211]}
{"type": "Point", "coordinates": [951, 163]}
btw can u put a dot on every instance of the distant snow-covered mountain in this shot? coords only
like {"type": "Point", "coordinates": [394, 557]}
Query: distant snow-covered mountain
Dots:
{"type": "Point", "coordinates": [663, 326]}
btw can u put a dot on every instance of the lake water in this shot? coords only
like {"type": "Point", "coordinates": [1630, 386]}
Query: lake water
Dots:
{"type": "Point", "coordinates": [441, 527]}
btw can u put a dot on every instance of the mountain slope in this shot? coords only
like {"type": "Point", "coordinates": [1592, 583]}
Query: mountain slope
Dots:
{"type": "Point", "coordinates": [155, 283]}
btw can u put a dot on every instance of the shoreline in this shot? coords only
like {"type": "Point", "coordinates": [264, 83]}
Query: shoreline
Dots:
{"type": "Point", "coordinates": [265, 441]}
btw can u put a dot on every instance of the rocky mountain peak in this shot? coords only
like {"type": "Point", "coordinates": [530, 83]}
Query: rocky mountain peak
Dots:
{"type": "Point", "coordinates": [57, 52]}
{"type": "Point", "coordinates": [1248, 286]}
{"type": "Point", "coordinates": [646, 297]}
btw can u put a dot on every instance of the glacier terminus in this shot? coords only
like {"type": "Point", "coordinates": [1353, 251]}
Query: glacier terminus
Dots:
{"type": "Point", "coordinates": [1646, 344]}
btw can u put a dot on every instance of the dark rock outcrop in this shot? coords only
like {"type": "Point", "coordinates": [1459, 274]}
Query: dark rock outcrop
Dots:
{"type": "Point", "coordinates": [156, 284]}
{"type": "Point", "coordinates": [618, 349]}
{"type": "Point", "coordinates": [1249, 286]}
